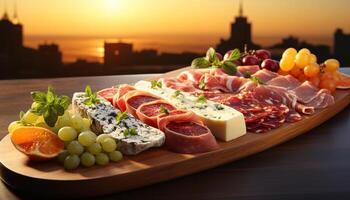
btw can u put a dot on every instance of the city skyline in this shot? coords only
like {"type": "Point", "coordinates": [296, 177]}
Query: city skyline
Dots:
{"type": "Point", "coordinates": [138, 17]}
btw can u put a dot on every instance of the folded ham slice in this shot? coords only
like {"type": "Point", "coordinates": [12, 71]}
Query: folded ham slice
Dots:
{"type": "Point", "coordinates": [148, 112]}
{"type": "Point", "coordinates": [185, 133]}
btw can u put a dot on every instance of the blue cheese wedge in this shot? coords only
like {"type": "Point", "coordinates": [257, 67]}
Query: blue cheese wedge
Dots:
{"type": "Point", "coordinates": [103, 119]}
{"type": "Point", "coordinates": [225, 122]}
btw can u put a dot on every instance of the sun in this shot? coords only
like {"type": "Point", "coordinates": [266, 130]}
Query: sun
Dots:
{"type": "Point", "coordinates": [112, 4]}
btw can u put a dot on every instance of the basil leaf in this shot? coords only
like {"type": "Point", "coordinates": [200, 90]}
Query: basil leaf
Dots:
{"type": "Point", "coordinates": [50, 96]}
{"type": "Point", "coordinates": [201, 84]}
{"type": "Point", "coordinates": [211, 54]}
{"type": "Point", "coordinates": [50, 117]}
{"type": "Point", "coordinates": [201, 99]}
{"type": "Point", "coordinates": [229, 68]}
{"type": "Point", "coordinates": [39, 108]}
{"type": "Point", "coordinates": [64, 101]}
{"type": "Point", "coordinates": [38, 97]}
{"type": "Point", "coordinates": [235, 55]}
{"type": "Point", "coordinates": [88, 91]}
{"type": "Point", "coordinates": [162, 109]}
{"type": "Point", "coordinates": [217, 63]}
{"type": "Point", "coordinates": [121, 116]}
{"type": "Point", "coordinates": [257, 80]}
{"type": "Point", "coordinates": [200, 63]}
{"type": "Point", "coordinates": [59, 109]}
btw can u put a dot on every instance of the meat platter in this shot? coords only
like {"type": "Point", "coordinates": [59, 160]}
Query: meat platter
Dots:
{"type": "Point", "coordinates": [181, 122]}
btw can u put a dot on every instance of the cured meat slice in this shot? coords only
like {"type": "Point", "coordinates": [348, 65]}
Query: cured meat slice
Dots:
{"type": "Point", "coordinates": [192, 75]}
{"type": "Point", "coordinates": [288, 82]}
{"type": "Point", "coordinates": [174, 83]}
{"type": "Point", "coordinates": [185, 133]}
{"type": "Point", "coordinates": [215, 82]}
{"type": "Point", "coordinates": [108, 93]}
{"type": "Point", "coordinates": [249, 69]}
{"type": "Point", "coordinates": [265, 75]}
{"type": "Point", "coordinates": [148, 112]}
{"type": "Point", "coordinates": [118, 98]}
{"type": "Point", "coordinates": [307, 93]}
{"type": "Point", "coordinates": [134, 99]}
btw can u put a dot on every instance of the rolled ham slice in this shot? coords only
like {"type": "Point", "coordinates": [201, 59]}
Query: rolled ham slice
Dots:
{"type": "Point", "coordinates": [134, 99]}
{"type": "Point", "coordinates": [118, 98]}
{"type": "Point", "coordinates": [185, 133]}
{"type": "Point", "coordinates": [148, 112]}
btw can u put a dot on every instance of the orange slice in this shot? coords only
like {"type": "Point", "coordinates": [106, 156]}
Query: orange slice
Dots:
{"type": "Point", "coordinates": [344, 81]}
{"type": "Point", "coordinates": [36, 142]}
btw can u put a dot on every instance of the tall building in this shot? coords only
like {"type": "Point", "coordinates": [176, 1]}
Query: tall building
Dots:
{"type": "Point", "coordinates": [342, 46]}
{"type": "Point", "coordinates": [241, 34]}
{"type": "Point", "coordinates": [118, 54]}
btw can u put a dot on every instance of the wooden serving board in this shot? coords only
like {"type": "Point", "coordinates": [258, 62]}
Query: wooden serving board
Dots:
{"type": "Point", "coordinates": [152, 166]}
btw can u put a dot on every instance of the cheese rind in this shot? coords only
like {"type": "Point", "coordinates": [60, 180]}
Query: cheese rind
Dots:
{"type": "Point", "coordinates": [225, 122]}
{"type": "Point", "coordinates": [103, 121]}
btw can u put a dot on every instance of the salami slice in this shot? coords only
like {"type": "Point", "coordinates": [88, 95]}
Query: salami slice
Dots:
{"type": "Point", "coordinates": [149, 112]}
{"type": "Point", "coordinates": [108, 93]}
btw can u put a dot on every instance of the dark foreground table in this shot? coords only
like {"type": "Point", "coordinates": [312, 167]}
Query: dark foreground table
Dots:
{"type": "Point", "coordinates": [315, 165]}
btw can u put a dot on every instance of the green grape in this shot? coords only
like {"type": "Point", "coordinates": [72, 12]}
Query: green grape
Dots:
{"type": "Point", "coordinates": [109, 145]}
{"type": "Point", "coordinates": [94, 148]}
{"type": "Point", "coordinates": [101, 137]}
{"type": "Point", "coordinates": [29, 117]}
{"type": "Point", "coordinates": [102, 159]}
{"type": "Point", "coordinates": [87, 138]}
{"type": "Point", "coordinates": [74, 147]}
{"type": "Point", "coordinates": [77, 122]}
{"type": "Point", "coordinates": [67, 133]}
{"type": "Point", "coordinates": [71, 162]}
{"type": "Point", "coordinates": [62, 156]}
{"type": "Point", "coordinates": [13, 126]}
{"type": "Point", "coordinates": [64, 120]}
{"type": "Point", "coordinates": [87, 159]}
{"type": "Point", "coordinates": [115, 156]}
{"type": "Point", "coordinates": [86, 124]}
{"type": "Point", "coordinates": [44, 125]}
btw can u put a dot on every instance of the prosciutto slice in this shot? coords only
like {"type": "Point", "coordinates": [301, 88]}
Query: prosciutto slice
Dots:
{"type": "Point", "coordinates": [185, 133]}
{"type": "Point", "coordinates": [134, 99]}
{"type": "Point", "coordinates": [118, 98]}
{"type": "Point", "coordinates": [149, 112]}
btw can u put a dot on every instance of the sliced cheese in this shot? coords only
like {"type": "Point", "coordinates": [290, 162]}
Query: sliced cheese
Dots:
{"type": "Point", "coordinates": [225, 122]}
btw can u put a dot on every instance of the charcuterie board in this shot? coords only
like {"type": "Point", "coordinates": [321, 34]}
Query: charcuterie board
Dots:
{"type": "Point", "coordinates": [151, 166]}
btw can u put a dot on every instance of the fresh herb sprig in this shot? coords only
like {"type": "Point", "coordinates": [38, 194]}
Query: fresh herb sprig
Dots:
{"type": "Point", "coordinates": [177, 93]}
{"type": "Point", "coordinates": [49, 105]}
{"type": "Point", "coordinates": [257, 80]}
{"type": "Point", "coordinates": [201, 84]}
{"type": "Point", "coordinates": [129, 132]}
{"type": "Point", "coordinates": [201, 99]}
{"type": "Point", "coordinates": [164, 110]}
{"type": "Point", "coordinates": [211, 60]}
{"type": "Point", "coordinates": [91, 96]}
{"type": "Point", "coordinates": [156, 84]}
{"type": "Point", "coordinates": [121, 116]}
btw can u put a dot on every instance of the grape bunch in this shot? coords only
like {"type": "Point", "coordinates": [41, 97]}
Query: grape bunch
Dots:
{"type": "Point", "coordinates": [303, 65]}
{"type": "Point", "coordinates": [86, 148]}
{"type": "Point", "coordinates": [259, 57]}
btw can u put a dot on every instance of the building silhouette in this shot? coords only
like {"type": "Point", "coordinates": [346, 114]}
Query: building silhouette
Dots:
{"type": "Point", "coordinates": [241, 34]}
{"type": "Point", "coordinates": [341, 47]}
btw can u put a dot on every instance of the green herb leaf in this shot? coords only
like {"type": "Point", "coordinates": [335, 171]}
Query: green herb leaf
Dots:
{"type": "Point", "coordinates": [229, 68]}
{"type": "Point", "coordinates": [121, 116]}
{"type": "Point", "coordinates": [216, 63]}
{"type": "Point", "coordinates": [235, 55]}
{"type": "Point", "coordinates": [201, 84]}
{"type": "Point", "coordinates": [129, 132]}
{"type": "Point", "coordinates": [257, 80]}
{"type": "Point", "coordinates": [50, 116]}
{"type": "Point", "coordinates": [200, 63]}
{"type": "Point", "coordinates": [177, 93]}
{"type": "Point", "coordinates": [211, 54]}
{"type": "Point", "coordinates": [156, 84]}
{"type": "Point", "coordinates": [50, 95]}
{"type": "Point", "coordinates": [246, 75]}
{"type": "Point", "coordinates": [91, 96]}
{"type": "Point", "coordinates": [39, 109]}
{"type": "Point", "coordinates": [64, 101]}
{"type": "Point", "coordinates": [39, 97]}
{"type": "Point", "coordinates": [88, 91]}
{"type": "Point", "coordinates": [162, 109]}
{"type": "Point", "coordinates": [201, 99]}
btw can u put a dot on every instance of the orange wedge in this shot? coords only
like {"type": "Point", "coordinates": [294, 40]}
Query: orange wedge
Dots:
{"type": "Point", "coordinates": [36, 142]}
{"type": "Point", "coordinates": [344, 81]}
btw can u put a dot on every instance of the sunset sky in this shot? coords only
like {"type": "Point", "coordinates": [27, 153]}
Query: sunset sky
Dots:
{"type": "Point", "coordinates": [142, 17]}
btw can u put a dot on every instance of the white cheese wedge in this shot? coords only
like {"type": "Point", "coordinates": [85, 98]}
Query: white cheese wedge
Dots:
{"type": "Point", "coordinates": [225, 122]}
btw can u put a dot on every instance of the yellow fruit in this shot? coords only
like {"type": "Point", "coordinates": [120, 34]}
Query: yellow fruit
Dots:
{"type": "Point", "coordinates": [313, 58]}
{"type": "Point", "coordinates": [290, 52]}
{"type": "Point", "coordinates": [332, 65]}
{"type": "Point", "coordinates": [312, 70]}
{"type": "Point", "coordinates": [302, 59]}
{"type": "Point", "coordinates": [304, 51]}
{"type": "Point", "coordinates": [287, 63]}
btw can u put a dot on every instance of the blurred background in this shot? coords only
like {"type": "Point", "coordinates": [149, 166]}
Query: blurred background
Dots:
{"type": "Point", "coordinates": [57, 38]}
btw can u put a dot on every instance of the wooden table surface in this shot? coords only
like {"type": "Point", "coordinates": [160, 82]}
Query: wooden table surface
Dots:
{"type": "Point", "coordinates": [315, 165]}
